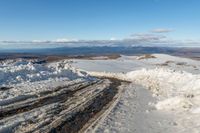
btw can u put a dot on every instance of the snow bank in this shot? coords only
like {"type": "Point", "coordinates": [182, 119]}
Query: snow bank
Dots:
{"type": "Point", "coordinates": [166, 82]}
{"type": "Point", "coordinates": [24, 71]}
{"type": "Point", "coordinates": [174, 89]}
{"type": "Point", "coordinates": [25, 79]}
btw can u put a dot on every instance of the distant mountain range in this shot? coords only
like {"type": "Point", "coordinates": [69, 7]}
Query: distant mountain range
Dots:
{"type": "Point", "coordinates": [104, 50]}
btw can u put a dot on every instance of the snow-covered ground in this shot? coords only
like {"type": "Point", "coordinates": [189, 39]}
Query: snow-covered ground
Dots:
{"type": "Point", "coordinates": [130, 63]}
{"type": "Point", "coordinates": [135, 114]}
{"type": "Point", "coordinates": [174, 83]}
{"type": "Point", "coordinates": [163, 96]}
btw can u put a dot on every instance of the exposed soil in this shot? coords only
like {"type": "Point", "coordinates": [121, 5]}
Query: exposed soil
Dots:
{"type": "Point", "coordinates": [77, 121]}
{"type": "Point", "coordinates": [4, 88]}
{"type": "Point", "coordinates": [146, 56]}
{"type": "Point", "coordinates": [53, 58]}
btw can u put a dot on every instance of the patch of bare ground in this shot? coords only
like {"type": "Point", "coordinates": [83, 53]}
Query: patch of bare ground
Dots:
{"type": "Point", "coordinates": [84, 57]}
{"type": "Point", "coordinates": [4, 88]}
{"type": "Point", "coordinates": [146, 56]}
{"type": "Point", "coordinates": [165, 63]}
{"type": "Point", "coordinates": [54, 58]}
{"type": "Point", "coordinates": [181, 63]}
{"type": "Point", "coordinates": [195, 58]}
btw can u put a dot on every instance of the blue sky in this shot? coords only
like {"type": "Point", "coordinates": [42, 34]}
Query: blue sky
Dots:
{"type": "Point", "coordinates": [27, 20]}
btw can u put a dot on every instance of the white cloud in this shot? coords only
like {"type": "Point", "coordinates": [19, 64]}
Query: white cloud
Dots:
{"type": "Point", "coordinates": [190, 42]}
{"type": "Point", "coordinates": [113, 39]}
{"type": "Point", "coordinates": [150, 39]}
{"type": "Point", "coordinates": [161, 30]}
{"type": "Point", "coordinates": [63, 40]}
{"type": "Point", "coordinates": [39, 41]}
{"type": "Point", "coordinates": [146, 38]}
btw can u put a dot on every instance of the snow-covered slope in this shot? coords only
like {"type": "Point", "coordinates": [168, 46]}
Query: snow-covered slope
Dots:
{"type": "Point", "coordinates": [173, 81]}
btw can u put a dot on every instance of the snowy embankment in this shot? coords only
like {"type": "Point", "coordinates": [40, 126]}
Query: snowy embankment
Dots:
{"type": "Point", "coordinates": [48, 97]}
{"type": "Point", "coordinates": [173, 81]}
{"type": "Point", "coordinates": [27, 78]}
{"type": "Point", "coordinates": [25, 71]}
{"type": "Point", "coordinates": [174, 89]}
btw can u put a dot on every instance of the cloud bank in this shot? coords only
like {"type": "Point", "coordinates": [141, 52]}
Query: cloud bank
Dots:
{"type": "Point", "coordinates": [136, 39]}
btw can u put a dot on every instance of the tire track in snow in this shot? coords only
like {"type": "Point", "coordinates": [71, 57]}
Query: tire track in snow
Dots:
{"type": "Point", "coordinates": [60, 94]}
{"type": "Point", "coordinates": [69, 109]}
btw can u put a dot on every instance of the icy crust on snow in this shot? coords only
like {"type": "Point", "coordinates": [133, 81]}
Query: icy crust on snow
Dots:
{"type": "Point", "coordinates": [23, 72]}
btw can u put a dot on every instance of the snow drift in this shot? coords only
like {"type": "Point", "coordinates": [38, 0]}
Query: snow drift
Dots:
{"type": "Point", "coordinates": [174, 89]}
{"type": "Point", "coordinates": [26, 71]}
